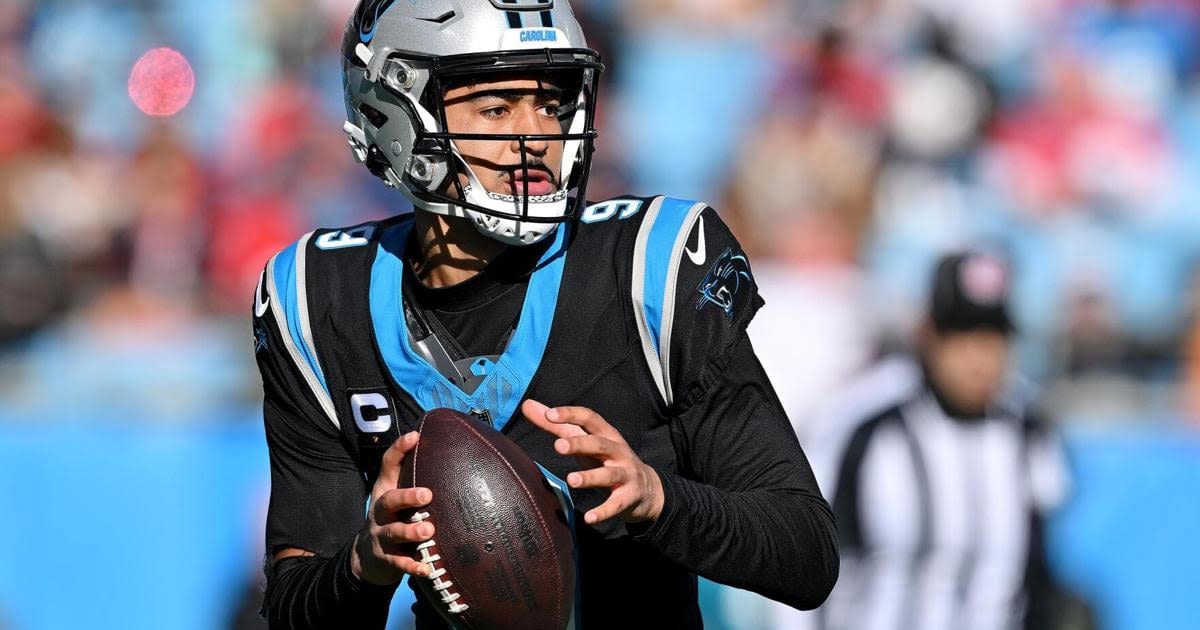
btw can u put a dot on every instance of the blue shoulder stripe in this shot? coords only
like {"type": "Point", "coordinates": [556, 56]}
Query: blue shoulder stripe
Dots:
{"type": "Point", "coordinates": [663, 233]}
{"type": "Point", "coordinates": [289, 281]}
{"type": "Point", "coordinates": [659, 247]}
{"type": "Point", "coordinates": [288, 306]}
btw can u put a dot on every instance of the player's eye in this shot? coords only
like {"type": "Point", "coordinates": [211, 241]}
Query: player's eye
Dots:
{"type": "Point", "coordinates": [550, 110]}
{"type": "Point", "coordinates": [494, 113]}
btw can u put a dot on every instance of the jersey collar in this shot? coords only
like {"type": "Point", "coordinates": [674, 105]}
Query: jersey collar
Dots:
{"type": "Point", "coordinates": [508, 379]}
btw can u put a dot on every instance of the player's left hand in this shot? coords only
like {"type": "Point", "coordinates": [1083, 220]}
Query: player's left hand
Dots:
{"type": "Point", "coordinates": [637, 491]}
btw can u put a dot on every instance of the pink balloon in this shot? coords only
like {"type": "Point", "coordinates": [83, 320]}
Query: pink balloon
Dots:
{"type": "Point", "coordinates": [162, 82]}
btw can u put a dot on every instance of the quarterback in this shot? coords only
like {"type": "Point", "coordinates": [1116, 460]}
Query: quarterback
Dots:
{"type": "Point", "coordinates": [607, 339]}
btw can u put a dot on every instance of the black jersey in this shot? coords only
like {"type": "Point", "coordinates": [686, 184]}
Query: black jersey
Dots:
{"type": "Point", "coordinates": [638, 311]}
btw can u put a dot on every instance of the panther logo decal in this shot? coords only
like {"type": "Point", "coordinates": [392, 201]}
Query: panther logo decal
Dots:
{"type": "Point", "coordinates": [723, 281]}
{"type": "Point", "coordinates": [367, 17]}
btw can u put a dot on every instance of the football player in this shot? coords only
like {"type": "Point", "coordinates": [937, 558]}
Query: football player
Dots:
{"type": "Point", "coordinates": [606, 339]}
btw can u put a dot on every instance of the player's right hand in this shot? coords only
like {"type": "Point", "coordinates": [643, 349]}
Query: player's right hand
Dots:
{"type": "Point", "coordinates": [385, 548]}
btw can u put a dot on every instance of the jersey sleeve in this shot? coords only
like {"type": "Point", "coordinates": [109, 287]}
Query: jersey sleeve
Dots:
{"type": "Point", "coordinates": [317, 492]}
{"type": "Point", "coordinates": [694, 295]}
{"type": "Point", "coordinates": [715, 299]}
{"type": "Point", "coordinates": [745, 509]}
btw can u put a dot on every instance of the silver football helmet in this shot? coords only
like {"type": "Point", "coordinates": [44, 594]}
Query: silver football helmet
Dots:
{"type": "Point", "coordinates": [397, 59]}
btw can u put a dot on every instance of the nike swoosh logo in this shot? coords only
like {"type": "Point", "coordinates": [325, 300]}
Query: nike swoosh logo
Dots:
{"type": "Point", "coordinates": [260, 305]}
{"type": "Point", "coordinates": [699, 255]}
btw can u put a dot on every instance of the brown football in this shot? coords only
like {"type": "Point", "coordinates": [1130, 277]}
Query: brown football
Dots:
{"type": "Point", "coordinates": [502, 553]}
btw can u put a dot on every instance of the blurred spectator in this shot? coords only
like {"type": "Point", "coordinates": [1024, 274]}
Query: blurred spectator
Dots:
{"type": "Point", "coordinates": [800, 188]}
{"type": "Point", "coordinates": [31, 282]}
{"type": "Point", "coordinates": [281, 172]}
{"type": "Point", "coordinates": [941, 479]}
{"type": "Point", "coordinates": [688, 87]}
{"type": "Point", "coordinates": [1191, 351]}
{"type": "Point", "coordinates": [165, 239]}
{"type": "Point", "coordinates": [294, 30]}
{"type": "Point", "coordinates": [1092, 342]}
{"type": "Point", "coordinates": [856, 137]}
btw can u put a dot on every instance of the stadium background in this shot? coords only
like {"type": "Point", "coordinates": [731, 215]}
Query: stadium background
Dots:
{"type": "Point", "coordinates": [847, 142]}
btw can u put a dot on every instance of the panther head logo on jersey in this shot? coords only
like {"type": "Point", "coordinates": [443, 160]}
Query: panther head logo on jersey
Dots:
{"type": "Point", "coordinates": [724, 280]}
{"type": "Point", "coordinates": [260, 337]}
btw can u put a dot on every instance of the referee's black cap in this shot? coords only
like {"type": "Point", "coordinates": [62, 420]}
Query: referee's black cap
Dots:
{"type": "Point", "coordinates": [971, 291]}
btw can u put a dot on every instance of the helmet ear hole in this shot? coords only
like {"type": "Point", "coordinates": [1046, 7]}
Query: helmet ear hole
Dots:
{"type": "Point", "coordinates": [377, 118]}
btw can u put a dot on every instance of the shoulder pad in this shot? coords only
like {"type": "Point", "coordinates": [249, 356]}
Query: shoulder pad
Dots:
{"type": "Point", "coordinates": [284, 293]}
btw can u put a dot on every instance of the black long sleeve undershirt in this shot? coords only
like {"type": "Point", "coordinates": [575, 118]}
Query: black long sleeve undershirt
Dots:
{"type": "Point", "coordinates": [747, 512]}
{"type": "Point", "coordinates": [316, 592]}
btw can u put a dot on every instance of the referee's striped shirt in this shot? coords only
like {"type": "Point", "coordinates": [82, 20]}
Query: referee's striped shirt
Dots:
{"type": "Point", "coordinates": [939, 518]}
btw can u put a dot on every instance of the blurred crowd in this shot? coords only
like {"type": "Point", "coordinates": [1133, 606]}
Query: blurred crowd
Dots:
{"type": "Point", "coordinates": [848, 142]}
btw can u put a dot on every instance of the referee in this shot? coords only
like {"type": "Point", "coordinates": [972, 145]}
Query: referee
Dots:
{"type": "Point", "coordinates": [940, 474]}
